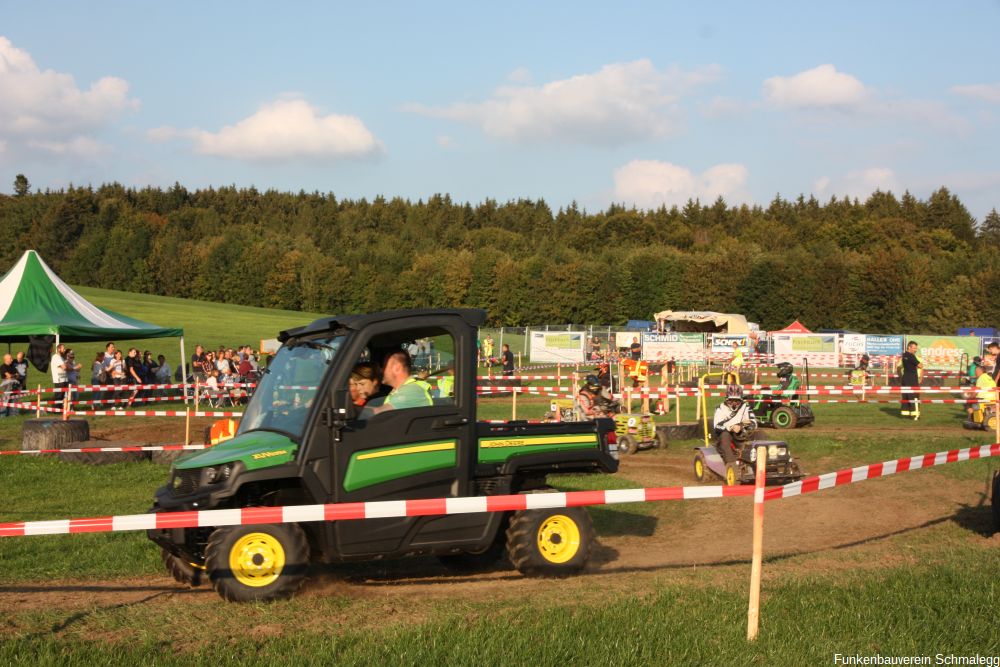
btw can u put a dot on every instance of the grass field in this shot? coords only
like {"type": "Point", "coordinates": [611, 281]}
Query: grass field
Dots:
{"type": "Point", "coordinates": [900, 566]}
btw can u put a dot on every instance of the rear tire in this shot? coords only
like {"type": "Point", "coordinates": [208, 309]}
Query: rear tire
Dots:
{"type": "Point", "coordinates": [182, 571]}
{"type": "Point", "coordinates": [784, 417]}
{"type": "Point", "coordinates": [550, 542]}
{"type": "Point", "coordinates": [700, 469]}
{"type": "Point", "coordinates": [627, 444]}
{"type": "Point", "coordinates": [257, 563]}
{"type": "Point", "coordinates": [732, 474]}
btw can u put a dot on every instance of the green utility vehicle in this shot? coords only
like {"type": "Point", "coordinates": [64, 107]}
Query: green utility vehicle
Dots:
{"type": "Point", "coordinates": [304, 441]}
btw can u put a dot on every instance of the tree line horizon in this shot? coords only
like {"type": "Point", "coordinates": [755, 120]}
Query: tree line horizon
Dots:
{"type": "Point", "coordinates": [884, 264]}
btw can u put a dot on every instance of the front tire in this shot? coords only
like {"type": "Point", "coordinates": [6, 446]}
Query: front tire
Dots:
{"type": "Point", "coordinates": [550, 542]}
{"type": "Point", "coordinates": [627, 444]}
{"type": "Point", "coordinates": [661, 439]}
{"type": "Point", "coordinates": [257, 563]}
{"type": "Point", "coordinates": [182, 571]}
{"type": "Point", "coordinates": [699, 467]}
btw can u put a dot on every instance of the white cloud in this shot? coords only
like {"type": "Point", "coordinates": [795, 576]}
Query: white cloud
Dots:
{"type": "Point", "coordinates": [444, 141]}
{"type": "Point", "coordinates": [619, 103]}
{"type": "Point", "coordinates": [44, 109]}
{"type": "Point", "coordinates": [860, 183]}
{"type": "Point", "coordinates": [821, 86]}
{"type": "Point", "coordinates": [280, 131]}
{"type": "Point", "coordinates": [650, 183]}
{"type": "Point", "coordinates": [986, 92]}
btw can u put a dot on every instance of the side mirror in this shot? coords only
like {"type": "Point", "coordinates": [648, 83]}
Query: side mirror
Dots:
{"type": "Point", "coordinates": [341, 411]}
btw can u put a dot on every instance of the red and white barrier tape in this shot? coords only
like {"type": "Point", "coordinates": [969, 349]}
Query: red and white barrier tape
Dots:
{"type": "Point", "coordinates": [471, 505]}
{"type": "Point", "coordinates": [99, 450]}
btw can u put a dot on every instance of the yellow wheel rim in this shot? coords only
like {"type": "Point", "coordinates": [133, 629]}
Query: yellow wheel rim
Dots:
{"type": "Point", "coordinates": [699, 469]}
{"type": "Point", "coordinates": [991, 423]}
{"type": "Point", "coordinates": [731, 476]}
{"type": "Point", "coordinates": [558, 538]}
{"type": "Point", "coordinates": [257, 559]}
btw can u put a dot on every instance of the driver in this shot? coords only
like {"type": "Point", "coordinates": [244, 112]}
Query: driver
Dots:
{"type": "Point", "coordinates": [407, 390]}
{"type": "Point", "coordinates": [733, 420]}
{"type": "Point", "coordinates": [592, 402]}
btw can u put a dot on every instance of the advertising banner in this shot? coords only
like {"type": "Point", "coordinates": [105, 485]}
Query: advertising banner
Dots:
{"type": "Point", "coordinates": [944, 352]}
{"type": "Point", "coordinates": [557, 346]}
{"type": "Point", "coordinates": [852, 344]}
{"type": "Point", "coordinates": [679, 346]}
{"type": "Point", "coordinates": [723, 343]}
{"type": "Point", "coordinates": [819, 349]}
{"type": "Point", "coordinates": [883, 346]}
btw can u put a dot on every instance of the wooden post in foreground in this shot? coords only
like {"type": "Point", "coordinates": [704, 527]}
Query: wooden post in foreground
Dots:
{"type": "Point", "coordinates": [677, 413]}
{"type": "Point", "coordinates": [997, 411]}
{"type": "Point", "coordinates": [38, 408]}
{"type": "Point", "coordinates": [513, 403]}
{"type": "Point", "coordinates": [187, 425]}
{"type": "Point", "coordinates": [753, 611]}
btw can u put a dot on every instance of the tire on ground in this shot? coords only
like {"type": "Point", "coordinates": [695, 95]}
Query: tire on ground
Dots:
{"type": "Point", "coordinates": [53, 433]}
{"type": "Point", "coordinates": [167, 457]}
{"type": "Point", "coordinates": [700, 467]}
{"type": "Point", "coordinates": [550, 542]}
{"type": "Point", "coordinates": [182, 571]}
{"type": "Point", "coordinates": [784, 417]}
{"type": "Point", "coordinates": [662, 441]}
{"type": "Point", "coordinates": [257, 563]}
{"type": "Point", "coordinates": [627, 444]}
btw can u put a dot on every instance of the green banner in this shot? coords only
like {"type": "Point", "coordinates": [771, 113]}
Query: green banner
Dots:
{"type": "Point", "coordinates": [827, 344]}
{"type": "Point", "coordinates": [944, 352]}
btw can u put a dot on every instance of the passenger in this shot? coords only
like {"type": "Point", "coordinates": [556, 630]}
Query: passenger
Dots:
{"type": "Point", "coordinates": [733, 419]}
{"type": "Point", "coordinates": [446, 381]}
{"type": "Point", "coordinates": [365, 387]}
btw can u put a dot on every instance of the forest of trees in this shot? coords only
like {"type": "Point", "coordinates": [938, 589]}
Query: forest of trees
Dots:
{"type": "Point", "coordinates": [887, 264]}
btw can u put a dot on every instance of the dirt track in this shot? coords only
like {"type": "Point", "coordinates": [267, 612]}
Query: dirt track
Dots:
{"type": "Point", "coordinates": [703, 541]}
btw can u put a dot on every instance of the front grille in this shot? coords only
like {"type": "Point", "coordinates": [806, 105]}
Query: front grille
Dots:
{"type": "Point", "coordinates": [185, 482]}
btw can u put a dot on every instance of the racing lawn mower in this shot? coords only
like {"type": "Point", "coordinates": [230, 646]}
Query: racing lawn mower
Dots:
{"type": "Point", "coordinates": [771, 411]}
{"type": "Point", "coordinates": [984, 417]}
{"type": "Point", "coordinates": [781, 468]}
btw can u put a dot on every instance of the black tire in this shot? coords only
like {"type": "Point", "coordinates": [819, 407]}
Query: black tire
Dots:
{"type": "Point", "coordinates": [53, 433]}
{"type": "Point", "coordinates": [784, 417]}
{"type": "Point", "coordinates": [550, 542]}
{"type": "Point", "coordinates": [275, 558]}
{"type": "Point", "coordinates": [627, 445]}
{"type": "Point", "coordinates": [661, 441]}
{"type": "Point", "coordinates": [182, 571]}
{"type": "Point", "coordinates": [700, 467]}
{"type": "Point", "coordinates": [995, 500]}
{"type": "Point", "coordinates": [169, 456]}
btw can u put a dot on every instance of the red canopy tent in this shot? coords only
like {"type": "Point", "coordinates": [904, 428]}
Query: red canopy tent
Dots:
{"type": "Point", "coordinates": [795, 327]}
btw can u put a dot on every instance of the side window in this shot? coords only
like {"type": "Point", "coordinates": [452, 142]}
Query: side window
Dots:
{"type": "Point", "coordinates": [404, 370]}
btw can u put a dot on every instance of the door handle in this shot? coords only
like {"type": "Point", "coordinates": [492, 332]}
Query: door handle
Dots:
{"type": "Point", "coordinates": [450, 423]}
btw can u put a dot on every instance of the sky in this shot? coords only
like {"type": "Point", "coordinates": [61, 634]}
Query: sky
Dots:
{"type": "Point", "coordinates": [639, 103]}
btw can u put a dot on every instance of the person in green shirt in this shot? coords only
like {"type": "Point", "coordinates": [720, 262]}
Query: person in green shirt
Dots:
{"type": "Point", "coordinates": [407, 391]}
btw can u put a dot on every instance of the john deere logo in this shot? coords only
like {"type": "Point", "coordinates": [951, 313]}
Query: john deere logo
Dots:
{"type": "Point", "coordinates": [177, 482]}
{"type": "Point", "coordinates": [267, 455]}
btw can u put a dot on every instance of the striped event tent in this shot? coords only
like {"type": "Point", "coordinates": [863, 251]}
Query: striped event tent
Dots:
{"type": "Point", "coordinates": [35, 302]}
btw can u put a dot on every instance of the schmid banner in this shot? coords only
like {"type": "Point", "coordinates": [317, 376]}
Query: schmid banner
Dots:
{"type": "Point", "coordinates": [557, 346]}
{"type": "Point", "coordinates": [944, 352]}
{"type": "Point", "coordinates": [681, 347]}
{"type": "Point", "coordinates": [883, 346]}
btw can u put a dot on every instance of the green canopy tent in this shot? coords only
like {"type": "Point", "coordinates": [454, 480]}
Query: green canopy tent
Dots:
{"type": "Point", "coordinates": [35, 302]}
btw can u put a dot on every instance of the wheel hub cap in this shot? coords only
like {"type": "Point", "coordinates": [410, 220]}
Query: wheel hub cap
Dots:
{"type": "Point", "coordinates": [257, 559]}
{"type": "Point", "coordinates": [558, 539]}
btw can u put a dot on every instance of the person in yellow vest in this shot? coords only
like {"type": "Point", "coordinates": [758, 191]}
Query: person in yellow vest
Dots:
{"type": "Point", "coordinates": [446, 382]}
{"type": "Point", "coordinates": [985, 392]}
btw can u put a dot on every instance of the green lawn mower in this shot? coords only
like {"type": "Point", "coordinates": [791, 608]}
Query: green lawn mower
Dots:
{"type": "Point", "coordinates": [785, 409]}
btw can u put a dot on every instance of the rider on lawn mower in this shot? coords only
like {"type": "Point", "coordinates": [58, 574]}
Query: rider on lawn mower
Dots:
{"type": "Point", "coordinates": [734, 421]}
{"type": "Point", "coordinates": [592, 402]}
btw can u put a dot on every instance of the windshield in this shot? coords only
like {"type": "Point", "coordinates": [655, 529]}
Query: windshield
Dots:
{"type": "Point", "coordinates": [286, 392]}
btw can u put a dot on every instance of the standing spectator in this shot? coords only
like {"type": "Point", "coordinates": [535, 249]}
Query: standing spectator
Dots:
{"type": "Point", "coordinates": [162, 373]}
{"type": "Point", "coordinates": [21, 364]}
{"type": "Point", "coordinates": [635, 349]}
{"type": "Point", "coordinates": [8, 385]}
{"type": "Point", "coordinates": [72, 369]}
{"type": "Point", "coordinates": [133, 372]}
{"type": "Point", "coordinates": [198, 363]}
{"type": "Point", "coordinates": [910, 377]}
{"type": "Point", "coordinates": [58, 366]}
{"type": "Point", "coordinates": [507, 357]}
{"type": "Point", "coordinates": [116, 372]}
{"type": "Point", "coordinates": [98, 377]}
{"type": "Point", "coordinates": [488, 349]}
{"type": "Point", "coordinates": [109, 360]}
{"type": "Point", "coordinates": [993, 353]}
{"type": "Point", "coordinates": [595, 349]}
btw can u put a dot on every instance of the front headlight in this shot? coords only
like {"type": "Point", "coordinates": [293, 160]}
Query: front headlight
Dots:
{"type": "Point", "coordinates": [776, 451]}
{"type": "Point", "coordinates": [216, 474]}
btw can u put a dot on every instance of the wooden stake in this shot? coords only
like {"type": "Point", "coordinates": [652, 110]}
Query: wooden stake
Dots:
{"type": "Point", "coordinates": [677, 412]}
{"type": "Point", "coordinates": [38, 408]}
{"type": "Point", "coordinates": [187, 425]}
{"type": "Point", "coordinates": [513, 404]}
{"type": "Point", "coordinates": [558, 375]}
{"type": "Point", "coordinates": [753, 610]}
{"type": "Point", "coordinates": [998, 415]}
